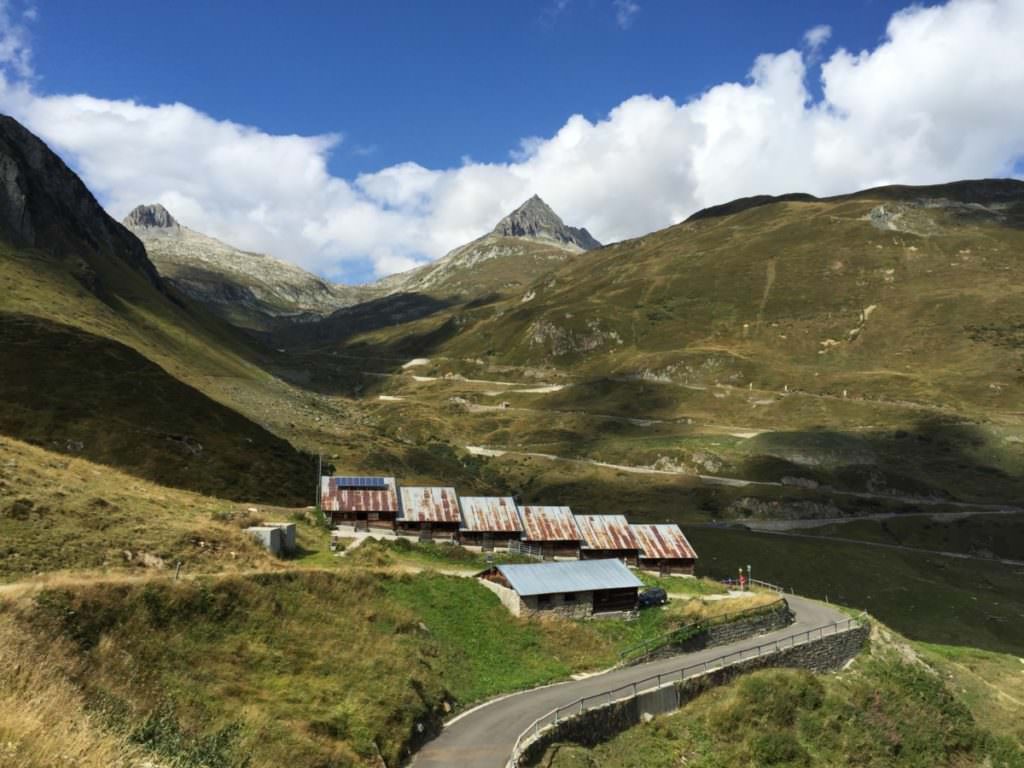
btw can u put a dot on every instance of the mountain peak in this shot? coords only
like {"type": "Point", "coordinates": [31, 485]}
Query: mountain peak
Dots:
{"type": "Point", "coordinates": [153, 216]}
{"type": "Point", "coordinates": [535, 219]}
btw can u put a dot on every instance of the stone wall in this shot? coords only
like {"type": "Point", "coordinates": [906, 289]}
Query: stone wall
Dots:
{"type": "Point", "coordinates": [598, 725]}
{"type": "Point", "coordinates": [581, 607]}
{"type": "Point", "coordinates": [722, 634]}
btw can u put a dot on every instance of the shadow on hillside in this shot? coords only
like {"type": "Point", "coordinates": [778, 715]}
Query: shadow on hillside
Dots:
{"type": "Point", "coordinates": [322, 357]}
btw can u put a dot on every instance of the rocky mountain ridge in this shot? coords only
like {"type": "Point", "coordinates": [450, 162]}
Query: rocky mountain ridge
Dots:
{"type": "Point", "coordinates": [253, 290]}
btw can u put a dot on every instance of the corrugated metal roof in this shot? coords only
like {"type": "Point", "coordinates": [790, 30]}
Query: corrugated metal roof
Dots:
{"type": "Point", "coordinates": [570, 576]}
{"type": "Point", "coordinates": [425, 504]}
{"type": "Point", "coordinates": [490, 514]}
{"type": "Point", "coordinates": [663, 541]}
{"type": "Point", "coordinates": [548, 524]}
{"type": "Point", "coordinates": [606, 532]}
{"type": "Point", "coordinates": [364, 499]}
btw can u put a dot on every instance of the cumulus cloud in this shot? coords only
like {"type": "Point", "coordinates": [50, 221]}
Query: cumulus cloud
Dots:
{"type": "Point", "coordinates": [625, 10]}
{"type": "Point", "coordinates": [933, 101]}
{"type": "Point", "coordinates": [815, 37]}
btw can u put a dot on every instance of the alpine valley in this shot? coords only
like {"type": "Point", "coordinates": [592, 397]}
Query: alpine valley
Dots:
{"type": "Point", "coordinates": [830, 389]}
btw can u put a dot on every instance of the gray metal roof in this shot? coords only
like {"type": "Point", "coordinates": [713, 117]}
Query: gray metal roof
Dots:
{"type": "Point", "coordinates": [569, 576]}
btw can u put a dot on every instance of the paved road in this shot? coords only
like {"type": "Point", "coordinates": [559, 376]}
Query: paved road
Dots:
{"type": "Point", "coordinates": [484, 738]}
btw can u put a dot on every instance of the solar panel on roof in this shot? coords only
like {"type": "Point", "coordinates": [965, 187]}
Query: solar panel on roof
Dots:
{"type": "Point", "coordinates": [360, 482]}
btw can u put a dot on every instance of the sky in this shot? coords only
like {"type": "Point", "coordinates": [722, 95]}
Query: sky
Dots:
{"type": "Point", "coordinates": [359, 139]}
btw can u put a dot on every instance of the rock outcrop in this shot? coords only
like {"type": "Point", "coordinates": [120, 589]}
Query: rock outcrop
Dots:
{"type": "Point", "coordinates": [45, 206]}
{"type": "Point", "coordinates": [535, 219]}
{"type": "Point", "coordinates": [153, 216]}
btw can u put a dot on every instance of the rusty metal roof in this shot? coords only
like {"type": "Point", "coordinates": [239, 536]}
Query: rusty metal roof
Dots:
{"type": "Point", "coordinates": [549, 524]}
{"type": "Point", "coordinates": [573, 576]}
{"type": "Point", "coordinates": [339, 494]}
{"type": "Point", "coordinates": [663, 542]}
{"type": "Point", "coordinates": [497, 514]}
{"type": "Point", "coordinates": [425, 504]}
{"type": "Point", "coordinates": [606, 532]}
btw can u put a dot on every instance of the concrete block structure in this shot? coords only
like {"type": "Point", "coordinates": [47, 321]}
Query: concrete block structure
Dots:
{"type": "Point", "coordinates": [276, 538]}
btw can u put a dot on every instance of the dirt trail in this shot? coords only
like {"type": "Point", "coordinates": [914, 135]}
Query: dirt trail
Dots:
{"type": "Point", "coordinates": [738, 482]}
{"type": "Point", "coordinates": [769, 281]}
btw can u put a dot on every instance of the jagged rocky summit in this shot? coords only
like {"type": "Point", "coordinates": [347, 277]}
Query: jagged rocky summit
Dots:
{"type": "Point", "coordinates": [151, 217]}
{"type": "Point", "coordinates": [535, 219]}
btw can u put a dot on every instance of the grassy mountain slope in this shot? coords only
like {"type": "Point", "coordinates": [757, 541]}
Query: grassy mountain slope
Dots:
{"type": "Point", "coordinates": [868, 342]}
{"type": "Point", "coordinates": [106, 361]}
{"type": "Point", "coordinates": [892, 707]}
{"type": "Point", "coordinates": [308, 668]}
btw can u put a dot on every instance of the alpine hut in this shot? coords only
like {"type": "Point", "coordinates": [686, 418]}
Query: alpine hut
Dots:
{"type": "Point", "coordinates": [552, 530]}
{"type": "Point", "coordinates": [574, 589]}
{"type": "Point", "coordinates": [607, 536]}
{"type": "Point", "coordinates": [664, 548]}
{"type": "Point", "coordinates": [489, 521]}
{"type": "Point", "coordinates": [431, 512]}
{"type": "Point", "coordinates": [363, 502]}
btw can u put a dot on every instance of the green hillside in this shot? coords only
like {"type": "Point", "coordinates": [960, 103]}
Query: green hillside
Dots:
{"type": "Point", "coordinates": [897, 705]}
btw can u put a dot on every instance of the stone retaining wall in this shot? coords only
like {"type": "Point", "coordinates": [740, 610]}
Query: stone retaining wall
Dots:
{"type": "Point", "coordinates": [723, 634]}
{"type": "Point", "coordinates": [598, 725]}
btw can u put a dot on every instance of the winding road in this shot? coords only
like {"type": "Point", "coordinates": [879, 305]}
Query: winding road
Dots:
{"type": "Point", "coordinates": [484, 737]}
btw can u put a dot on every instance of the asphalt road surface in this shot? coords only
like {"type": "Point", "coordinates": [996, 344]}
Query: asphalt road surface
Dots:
{"type": "Point", "coordinates": [484, 737]}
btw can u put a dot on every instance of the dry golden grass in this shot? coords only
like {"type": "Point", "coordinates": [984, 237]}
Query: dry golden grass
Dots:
{"type": "Point", "coordinates": [59, 513]}
{"type": "Point", "coordinates": [700, 610]}
{"type": "Point", "coordinates": [43, 717]}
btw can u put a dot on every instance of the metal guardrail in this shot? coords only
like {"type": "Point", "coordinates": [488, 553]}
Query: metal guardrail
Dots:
{"type": "Point", "coordinates": [679, 633]}
{"type": "Point", "coordinates": [654, 682]}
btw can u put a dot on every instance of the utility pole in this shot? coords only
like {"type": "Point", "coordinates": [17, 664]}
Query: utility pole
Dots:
{"type": "Point", "coordinates": [319, 469]}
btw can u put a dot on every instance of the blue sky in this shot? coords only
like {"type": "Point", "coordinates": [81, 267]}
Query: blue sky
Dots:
{"type": "Point", "coordinates": [361, 139]}
{"type": "Point", "coordinates": [428, 82]}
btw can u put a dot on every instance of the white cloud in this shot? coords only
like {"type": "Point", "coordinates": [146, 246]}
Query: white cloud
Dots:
{"type": "Point", "coordinates": [815, 37]}
{"type": "Point", "coordinates": [15, 47]}
{"type": "Point", "coordinates": [934, 101]}
{"type": "Point", "coordinates": [625, 10]}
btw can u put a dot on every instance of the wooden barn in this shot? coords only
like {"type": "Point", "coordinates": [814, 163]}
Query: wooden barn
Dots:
{"type": "Point", "coordinates": [489, 521]}
{"type": "Point", "coordinates": [664, 548]}
{"type": "Point", "coordinates": [607, 536]}
{"type": "Point", "coordinates": [362, 502]}
{"type": "Point", "coordinates": [552, 529]}
{"type": "Point", "coordinates": [578, 589]}
{"type": "Point", "coordinates": [430, 512]}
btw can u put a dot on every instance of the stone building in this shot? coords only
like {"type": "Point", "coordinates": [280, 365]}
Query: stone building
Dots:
{"type": "Point", "coordinates": [576, 590]}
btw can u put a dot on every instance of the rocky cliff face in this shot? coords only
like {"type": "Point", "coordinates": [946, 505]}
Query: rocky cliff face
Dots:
{"type": "Point", "coordinates": [45, 206]}
{"type": "Point", "coordinates": [249, 289]}
{"type": "Point", "coordinates": [535, 219]}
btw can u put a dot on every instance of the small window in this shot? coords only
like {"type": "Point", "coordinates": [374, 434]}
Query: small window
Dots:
{"type": "Point", "coordinates": [569, 597]}
{"type": "Point", "coordinates": [544, 600]}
